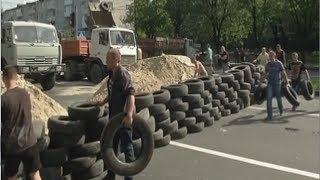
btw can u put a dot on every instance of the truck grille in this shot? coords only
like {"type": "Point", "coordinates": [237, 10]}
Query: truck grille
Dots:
{"type": "Point", "coordinates": [128, 59]}
{"type": "Point", "coordinates": [37, 61]}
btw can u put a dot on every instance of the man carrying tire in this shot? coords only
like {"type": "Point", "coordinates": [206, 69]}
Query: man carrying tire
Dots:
{"type": "Point", "coordinates": [121, 99]}
{"type": "Point", "coordinates": [296, 68]}
{"type": "Point", "coordinates": [274, 68]}
{"type": "Point", "coordinates": [17, 133]}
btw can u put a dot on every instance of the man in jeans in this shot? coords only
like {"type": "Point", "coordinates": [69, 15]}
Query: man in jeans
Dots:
{"type": "Point", "coordinates": [297, 67]}
{"type": "Point", "coordinates": [121, 99]}
{"type": "Point", "coordinates": [17, 134]}
{"type": "Point", "coordinates": [274, 69]}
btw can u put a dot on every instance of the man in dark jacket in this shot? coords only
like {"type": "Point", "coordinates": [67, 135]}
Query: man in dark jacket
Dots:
{"type": "Point", "coordinates": [281, 55]}
{"type": "Point", "coordinates": [17, 134]}
{"type": "Point", "coordinates": [121, 99]}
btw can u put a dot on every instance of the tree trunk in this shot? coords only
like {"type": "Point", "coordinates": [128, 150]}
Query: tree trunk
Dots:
{"type": "Point", "coordinates": [254, 25]}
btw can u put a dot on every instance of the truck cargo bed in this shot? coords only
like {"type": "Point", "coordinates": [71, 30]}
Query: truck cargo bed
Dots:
{"type": "Point", "coordinates": [76, 47]}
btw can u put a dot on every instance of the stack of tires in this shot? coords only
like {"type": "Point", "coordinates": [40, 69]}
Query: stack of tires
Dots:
{"type": "Point", "coordinates": [74, 148]}
{"type": "Point", "coordinates": [199, 101]}
{"type": "Point", "coordinates": [181, 109]}
{"type": "Point", "coordinates": [220, 98]}
{"type": "Point", "coordinates": [210, 88]}
{"type": "Point", "coordinates": [231, 92]}
{"type": "Point", "coordinates": [161, 115]}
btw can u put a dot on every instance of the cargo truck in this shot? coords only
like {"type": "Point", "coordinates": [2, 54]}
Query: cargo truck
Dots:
{"type": "Point", "coordinates": [34, 49]}
{"type": "Point", "coordinates": [87, 58]}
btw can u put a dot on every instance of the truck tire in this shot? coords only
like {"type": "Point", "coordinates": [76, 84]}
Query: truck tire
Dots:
{"type": "Point", "coordinates": [107, 152]}
{"type": "Point", "coordinates": [307, 90]}
{"type": "Point", "coordinates": [96, 73]}
{"type": "Point", "coordinates": [48, 81]}
{"type": "Point", "coordinates": [291, 95]}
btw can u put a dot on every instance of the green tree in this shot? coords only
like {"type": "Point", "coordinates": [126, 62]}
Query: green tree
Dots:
{"type": "Point", "coordinates": [150, 18]}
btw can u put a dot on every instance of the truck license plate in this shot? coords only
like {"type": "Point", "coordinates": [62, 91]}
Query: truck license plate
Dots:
{"type": "Point", "coordinates": [43, 68]}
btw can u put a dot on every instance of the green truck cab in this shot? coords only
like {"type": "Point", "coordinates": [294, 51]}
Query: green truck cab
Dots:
{"type": "Point", "coordinates": [34, 48]}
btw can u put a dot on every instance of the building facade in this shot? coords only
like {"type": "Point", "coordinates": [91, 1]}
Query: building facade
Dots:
{"type": "Point", "coordinates": [70, 17]}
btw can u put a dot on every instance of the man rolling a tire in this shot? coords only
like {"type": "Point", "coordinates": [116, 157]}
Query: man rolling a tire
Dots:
{"type": "Point", "coordinates": [296, 68]}
{"type": "Point", "coordinates": [274, 68]}
{"type": "Point", "coordinates": [17, 132]}
{"type": "Point", "coordinates": [121, 99]}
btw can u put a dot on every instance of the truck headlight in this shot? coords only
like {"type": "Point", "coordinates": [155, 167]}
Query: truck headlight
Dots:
{"type": "Point", "coordinates": [58, 68]}
{"type": "Point", "coordinates": [25, 70]}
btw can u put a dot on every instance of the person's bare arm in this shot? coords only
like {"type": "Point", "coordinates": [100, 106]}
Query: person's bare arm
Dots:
{"type": "Point", "coordinates": [130, 104]}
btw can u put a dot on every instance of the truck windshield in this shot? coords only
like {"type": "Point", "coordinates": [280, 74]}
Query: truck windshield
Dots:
{"type": "Point", "coordinates": [122, 38]}
{"type": "Point", "coordinates": [34, 34]}
{"type": "Point", "coordinates": [25, 34]}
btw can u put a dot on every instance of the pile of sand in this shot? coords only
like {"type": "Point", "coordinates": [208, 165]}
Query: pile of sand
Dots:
{"type": "Point", "coordinates": [150, 74]}
{"type": "Point", "coordinates": [43, 106]}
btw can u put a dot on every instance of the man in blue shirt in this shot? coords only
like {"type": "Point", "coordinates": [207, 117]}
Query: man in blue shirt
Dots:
{"type": "Point", "coordinates": [274, 70]}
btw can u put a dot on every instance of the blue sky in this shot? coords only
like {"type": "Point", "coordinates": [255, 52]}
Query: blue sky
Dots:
{"type": "Point", "coordinates": [8, 4]}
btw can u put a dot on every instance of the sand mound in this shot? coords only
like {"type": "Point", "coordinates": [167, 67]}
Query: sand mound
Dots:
{"type": "Point", "coordinates": [150, 74]}
{"type": "Point", "coordinates": [43, 106]}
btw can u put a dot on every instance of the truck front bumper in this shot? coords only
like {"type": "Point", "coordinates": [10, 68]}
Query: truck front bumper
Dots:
{"type": "Point", "coordinates": [43, 69]}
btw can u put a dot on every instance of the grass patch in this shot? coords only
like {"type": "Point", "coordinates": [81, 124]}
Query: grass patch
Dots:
{"type": "Point", "coordinates": [316, 83]}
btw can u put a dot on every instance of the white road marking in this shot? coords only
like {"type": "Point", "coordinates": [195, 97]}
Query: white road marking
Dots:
{"type": "Point", "coordinates": [260, 108]}
{"type": "Point", "coordinates": [247, 160]}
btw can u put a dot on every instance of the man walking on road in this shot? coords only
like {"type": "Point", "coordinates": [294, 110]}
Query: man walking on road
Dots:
{"type": "Point", "coordinates": [274, 69]}
{"type": "Point", "coordinates": [17, 133]}
{"type": "Point", "coordinates": [296, 68]}
{"type": "Point", "coordinates": [224, 59]}
{"type": "Point", "coordinates": [121, 99]}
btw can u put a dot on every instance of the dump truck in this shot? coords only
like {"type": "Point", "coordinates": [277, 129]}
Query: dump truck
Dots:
{"type": "Point", "coordinates": [158, 45]}
{"type": "Point", "coordinates": [34, 49]}
{"type": "Point", "coordinates": [87, 58]}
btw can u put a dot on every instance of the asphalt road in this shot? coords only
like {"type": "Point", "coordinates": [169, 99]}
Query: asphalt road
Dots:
{"type": "Point", "coordinates": [240, 147]}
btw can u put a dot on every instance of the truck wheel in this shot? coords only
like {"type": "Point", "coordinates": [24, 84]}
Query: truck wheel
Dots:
{"type": "Point", "coordinates": [69, 72]}
{"type": "Point", "coordinates": [96, 73]}
{"type": "Point", "coordinates": [48, 81]}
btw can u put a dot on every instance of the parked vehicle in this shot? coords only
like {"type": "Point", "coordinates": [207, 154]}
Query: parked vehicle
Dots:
{"type": "Point", "coordinates": [87, 58]}
{"type": "Point", "coordinates": [34, 48]}
{"type": "Point", "coordinates": [156, 46]}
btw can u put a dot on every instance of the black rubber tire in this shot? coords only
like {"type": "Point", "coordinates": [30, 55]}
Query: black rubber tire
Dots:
{"type": "Point", "coordinates": [307, 90]}
{"type": "Point", "coordinates": [177, 115]}
{"type": "Point", "coordinates": [223, 87]}
{"type": "Point", "coordinates": [194, 100]}
{"type": "Point", "coordinates": [291, 95]}
{"type": "Point", "coordinates": [231, 105]}
{"type": "Point", "coordinates": [177, 90]}
{"type": "Point", "coordinates": [43, 143]}
{"type": "Point", "coordinates": [173, 126]}
{"type": "Point", "coordinates": [144, 113]}
{"type": "Point", "coordinates": [217, 78]}
{"type": "Point", "coordinates": [247, 72]}
{"type": "Point", "coordinates": [214, 90]}
{"type": "Point", "coordinates": [54, 157]}
{"type": "Point", "coordinates": [108, 155]}
{"type": "Point", "coordinates": [245, 96]}
{"type": "Point", "coordinates": [208, 82]}
{"type": "Point", "coordinates": [251, 66]}
{"type": "Point", "coordinates": [94, 130]}
{"type": "Point", "coordinates": [163, 124]}
{"type": "Point", "coordinates": [260, 94]}
{"type": "Point", "coordinates": [195, 128]}
{"type": "Point", "coordinates": [256, 76]}
{"type": "Point", "coordinates": [96, 73]}
{"type": "Point", "coordinates": [206, 107]}
{"type": "Point", "coordinates": [161, 96]}
{"type": "Point", "coordinates": [187, 122]}
{"type": "Point", "coordinates": [235, 109]}
{"type": "Point", "coordinates": [205, 94]}
{"type": "Point", "coordinates": [85, 111]}
{"type": "Point", "coordinates": [95, 170]}
{"type": "Point", "coordinates": [63, 124]}
{"type": "Point", "coordinates": [245, 86]}
{"type": "Point", "coordinates": [208, 99]}
{"type": "Point", "coordinates": [203, 117]}
{"type": "Point", "coordinates": [157, 109]}
{"type": "Point", "coordinates": [48, 81]}
{"type": "Point", "coordinates": [227, 78]}
{"type": "Point", "coordinates": [162, 116]}
{"type": "Point", "coordinates": [194, 112]}
{"type": "Point", "coordinates": [137, 147]}
{"type": "Point", "coordinates": [78, 165]}
{"type": "Point", "coordinates": [183, 106]}
{"type": "Point", "coordinates": [196, 104]}
{"type": "Point", "coordinates": [220, 95]}
{"type": "Point", "coordinates": [217, 117]}
{"type": "Point", "coordinates": [240, 103]}
{"type": "Point", "coordinates": [238, 75]}
{"type": "Point", "coordinates": [158, 135]}
{"type": "Point", "coordinates": [226, 112]}
{"type": "Point", "coordinates": [214, 111]}
{"type": "Point", "coordinates": [65, 140]}
{"type": "Point", "coordinates": [88, 149]}
{"type": "Point", "coordinates": [195, 86]}
{"type": "Point", "coordinates": [143, 100]}
{"type": "Point", "coordinates": [235, 85]}
{"type": "Point", "coordinates": [162, 142]}
{"type": "Point", "coordinates": [173, 103]}
{"type": "Point", "coordinates": [179, 134]}
{"type": "Point", "coordinates": [216, 103]}
{"type": "Point", "coordinates": [225, 101]}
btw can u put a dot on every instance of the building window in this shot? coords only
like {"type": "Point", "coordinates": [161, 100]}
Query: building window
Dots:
{"type": "Point", "coordinates": [67, 10]}
{"type": "Point", "coordinates": [67, 2]}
